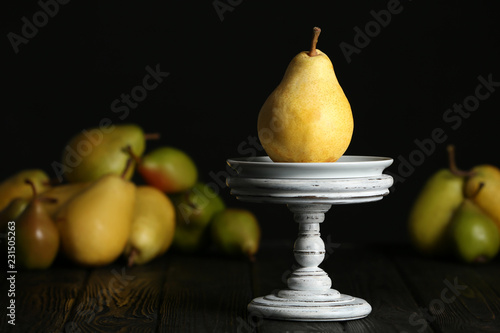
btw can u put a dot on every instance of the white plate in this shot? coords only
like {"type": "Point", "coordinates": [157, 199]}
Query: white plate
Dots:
{"type": "Point", "coordinates": [345, 167]}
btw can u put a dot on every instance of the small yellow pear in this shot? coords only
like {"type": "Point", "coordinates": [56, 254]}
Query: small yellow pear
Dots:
{"type": "Point", "coordinates": [95, 224]}
{"type": "Point", "coordinates": [153, 226]}
{"type": "Point", "coordinates": [61, 194]}
{"type": "Point", "coordinates": [15, 186]}
{"type": "Point", "coordinates": [307, 118]}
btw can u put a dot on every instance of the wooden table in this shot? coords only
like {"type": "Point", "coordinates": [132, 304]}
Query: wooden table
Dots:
{"type": "Point", "coordinates": [209, 293]}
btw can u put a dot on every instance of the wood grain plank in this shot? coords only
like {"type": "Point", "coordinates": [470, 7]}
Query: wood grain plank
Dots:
{"type": "Point", "coordinates": [205, 293]}
{"type": "Point", "coordinates": [454, 297]}
{"type": "Point", "coordinates": [120, 299]}
{"type": "Point", "coordinates": [366, 272]}
{"type": "Point", "coordinates": [44, 299]}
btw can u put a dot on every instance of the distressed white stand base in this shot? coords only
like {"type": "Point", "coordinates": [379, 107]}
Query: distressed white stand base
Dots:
{"type": "Point", "coordinates": [309, 308]}
{"type": "Point", "coordinates": [309, 296]}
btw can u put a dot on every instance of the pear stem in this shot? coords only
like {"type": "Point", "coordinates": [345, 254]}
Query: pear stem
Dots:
{"type": "Point", "coordinates": [152, 136]}
{"type": "Point", "coordinates": [35, 194]}
{"type": "Point", "coordinates": [128, 150]}
{"type": "Point", "coordinates": [133, 157]}
{"type": "Point", "coordinates": [131, 257]}
{"type": "Point", "coordinates": [453, 165]}
{"type": "Point", "coordinates": [312, 51]}
{"type": "Point", "coordinates": [33, 188]}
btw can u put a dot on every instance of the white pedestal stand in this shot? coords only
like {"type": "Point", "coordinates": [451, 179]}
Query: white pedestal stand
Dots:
{"type": "Point", "coordinates": [309, 190]}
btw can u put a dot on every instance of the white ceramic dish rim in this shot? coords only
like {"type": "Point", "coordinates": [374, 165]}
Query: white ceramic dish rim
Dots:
{"type": "Point", "coordinates": [346, 167]}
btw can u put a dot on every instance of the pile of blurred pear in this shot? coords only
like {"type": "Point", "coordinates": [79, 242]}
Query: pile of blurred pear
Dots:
{"type": "Point", "coordinates": [95, 212]}
{"type": "Point", "coordinates": [457, 213]}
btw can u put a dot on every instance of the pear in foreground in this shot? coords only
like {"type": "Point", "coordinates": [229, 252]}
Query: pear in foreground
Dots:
{"type": "Point", "coordinates": [95, 224]}
{"type": "Point", "coordinates": [194, 210]}
{"type": "Point", "coordinates": [432, 211]}
{"type": "Point", "coordinates": [474, 235]}
{"type": "Point", "coordinates": [37, 237]}
{"type": "Point", "coordinates": [307, 118]}
{"type": "Point", "coordinates": [488, 199]}
{"type": "Point", "coordinates": [153, 226]}
{"type": "Point", "coordinates": [236, 232]}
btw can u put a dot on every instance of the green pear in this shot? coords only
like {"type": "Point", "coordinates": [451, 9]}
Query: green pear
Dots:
{"type": "Point", "coordinates": [188, 239]}
{"type": "Point", "coordinates": [236, 232]}
{"type": "Point", "coordinates": [196, 206]}
{"type": "Point", "coordinates": [37, 237]}
{"type": "Point", "coordinates": [153, 226]}
{"type": "Point", "coordinates": [95, 223]}
{"type": "Point", "coordinates": [13, 210]}
{"type": "Point", "coordinates": [482, 186]}
{"type": "Point", "coordinates": [488, 199]}
{"type": "Point", "coordinates": [433, 209]}
{"type": "Point", "coordinates": [307, 118]}
{"type": "Point", "coordinates": [169, 169]}
{"type": "Point", "coordinates": [96, 152]}
{"type": "Point", "coordinates": [473, 234]}
{"type": "Point", "coordinates": [194, 210]}
{"type": "Point", "coordinates": [15, 186]}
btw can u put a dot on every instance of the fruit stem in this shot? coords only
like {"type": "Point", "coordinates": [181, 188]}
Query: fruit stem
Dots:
{"type": "Point", "coordinates": [133, 157]}
{"type": "Point", "coordinates": [33, 188]}
{"type": "Point", "coordinates": [128, 150]}
{"type": "Point", "coordinates": [131, 257]}
{"type": "Point", "coordinates": [152, 136]}
{"type": "Point", "coordinates": [479, 188]}
{"type": "Point", "coordinates": [312, 51]}
{"type": "Point", "coordinates": [453, 165]}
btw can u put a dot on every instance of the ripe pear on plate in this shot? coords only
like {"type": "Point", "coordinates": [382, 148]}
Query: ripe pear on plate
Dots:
{"type": "Point", "coordinates": [473, 234]}
{"type": "Point", "coordinates": [169, 169]}
{"type": "Point", "coordinates": [194, 210]}
{"type": "Point", "coordinates": [236, 232]}
{"type": "Point", "coordinates": [433, 209]}
{"type": "Point", "coordinates": [307, 118]}
{"type": "Point", "coordinates": [15, 186]}
{"type": "Point", "coordinates": [153, 226]}
{"type": "Point", "coordinates": [95, 223]}
{"type": "Point", "coordinates": [37, 237]}
{"type": "Point", "coordinates": [96, 152]}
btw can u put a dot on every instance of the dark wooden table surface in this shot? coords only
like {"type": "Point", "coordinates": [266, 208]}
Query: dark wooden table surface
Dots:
{"type": "Point", "coordinates": [209, 293]}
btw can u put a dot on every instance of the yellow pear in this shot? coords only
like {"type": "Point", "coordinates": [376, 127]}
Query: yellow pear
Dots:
{"type": "Point", "coordinates": [61, 194]}
{"type": "Point", "coordinates": [434, 208]}
{"type": "Point", "coordinates": [95, 223]}
{"type": "Point", "coordinates": [153, 226]}
{"type": "Point", "coordinates": [488, 199]}
{"type": "Point", "coordinates": [307, 118]}
{"type": "Point", "coordinates": [15, 186]}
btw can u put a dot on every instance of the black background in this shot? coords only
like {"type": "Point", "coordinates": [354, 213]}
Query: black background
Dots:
{"type": "Point", "coordinates": [222, 68]}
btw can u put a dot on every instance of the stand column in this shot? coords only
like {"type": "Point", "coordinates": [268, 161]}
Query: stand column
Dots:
{"type": "Point", "coordinates": [309, 252]}
{"type": "Point", "coordinates": [309, 296]}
